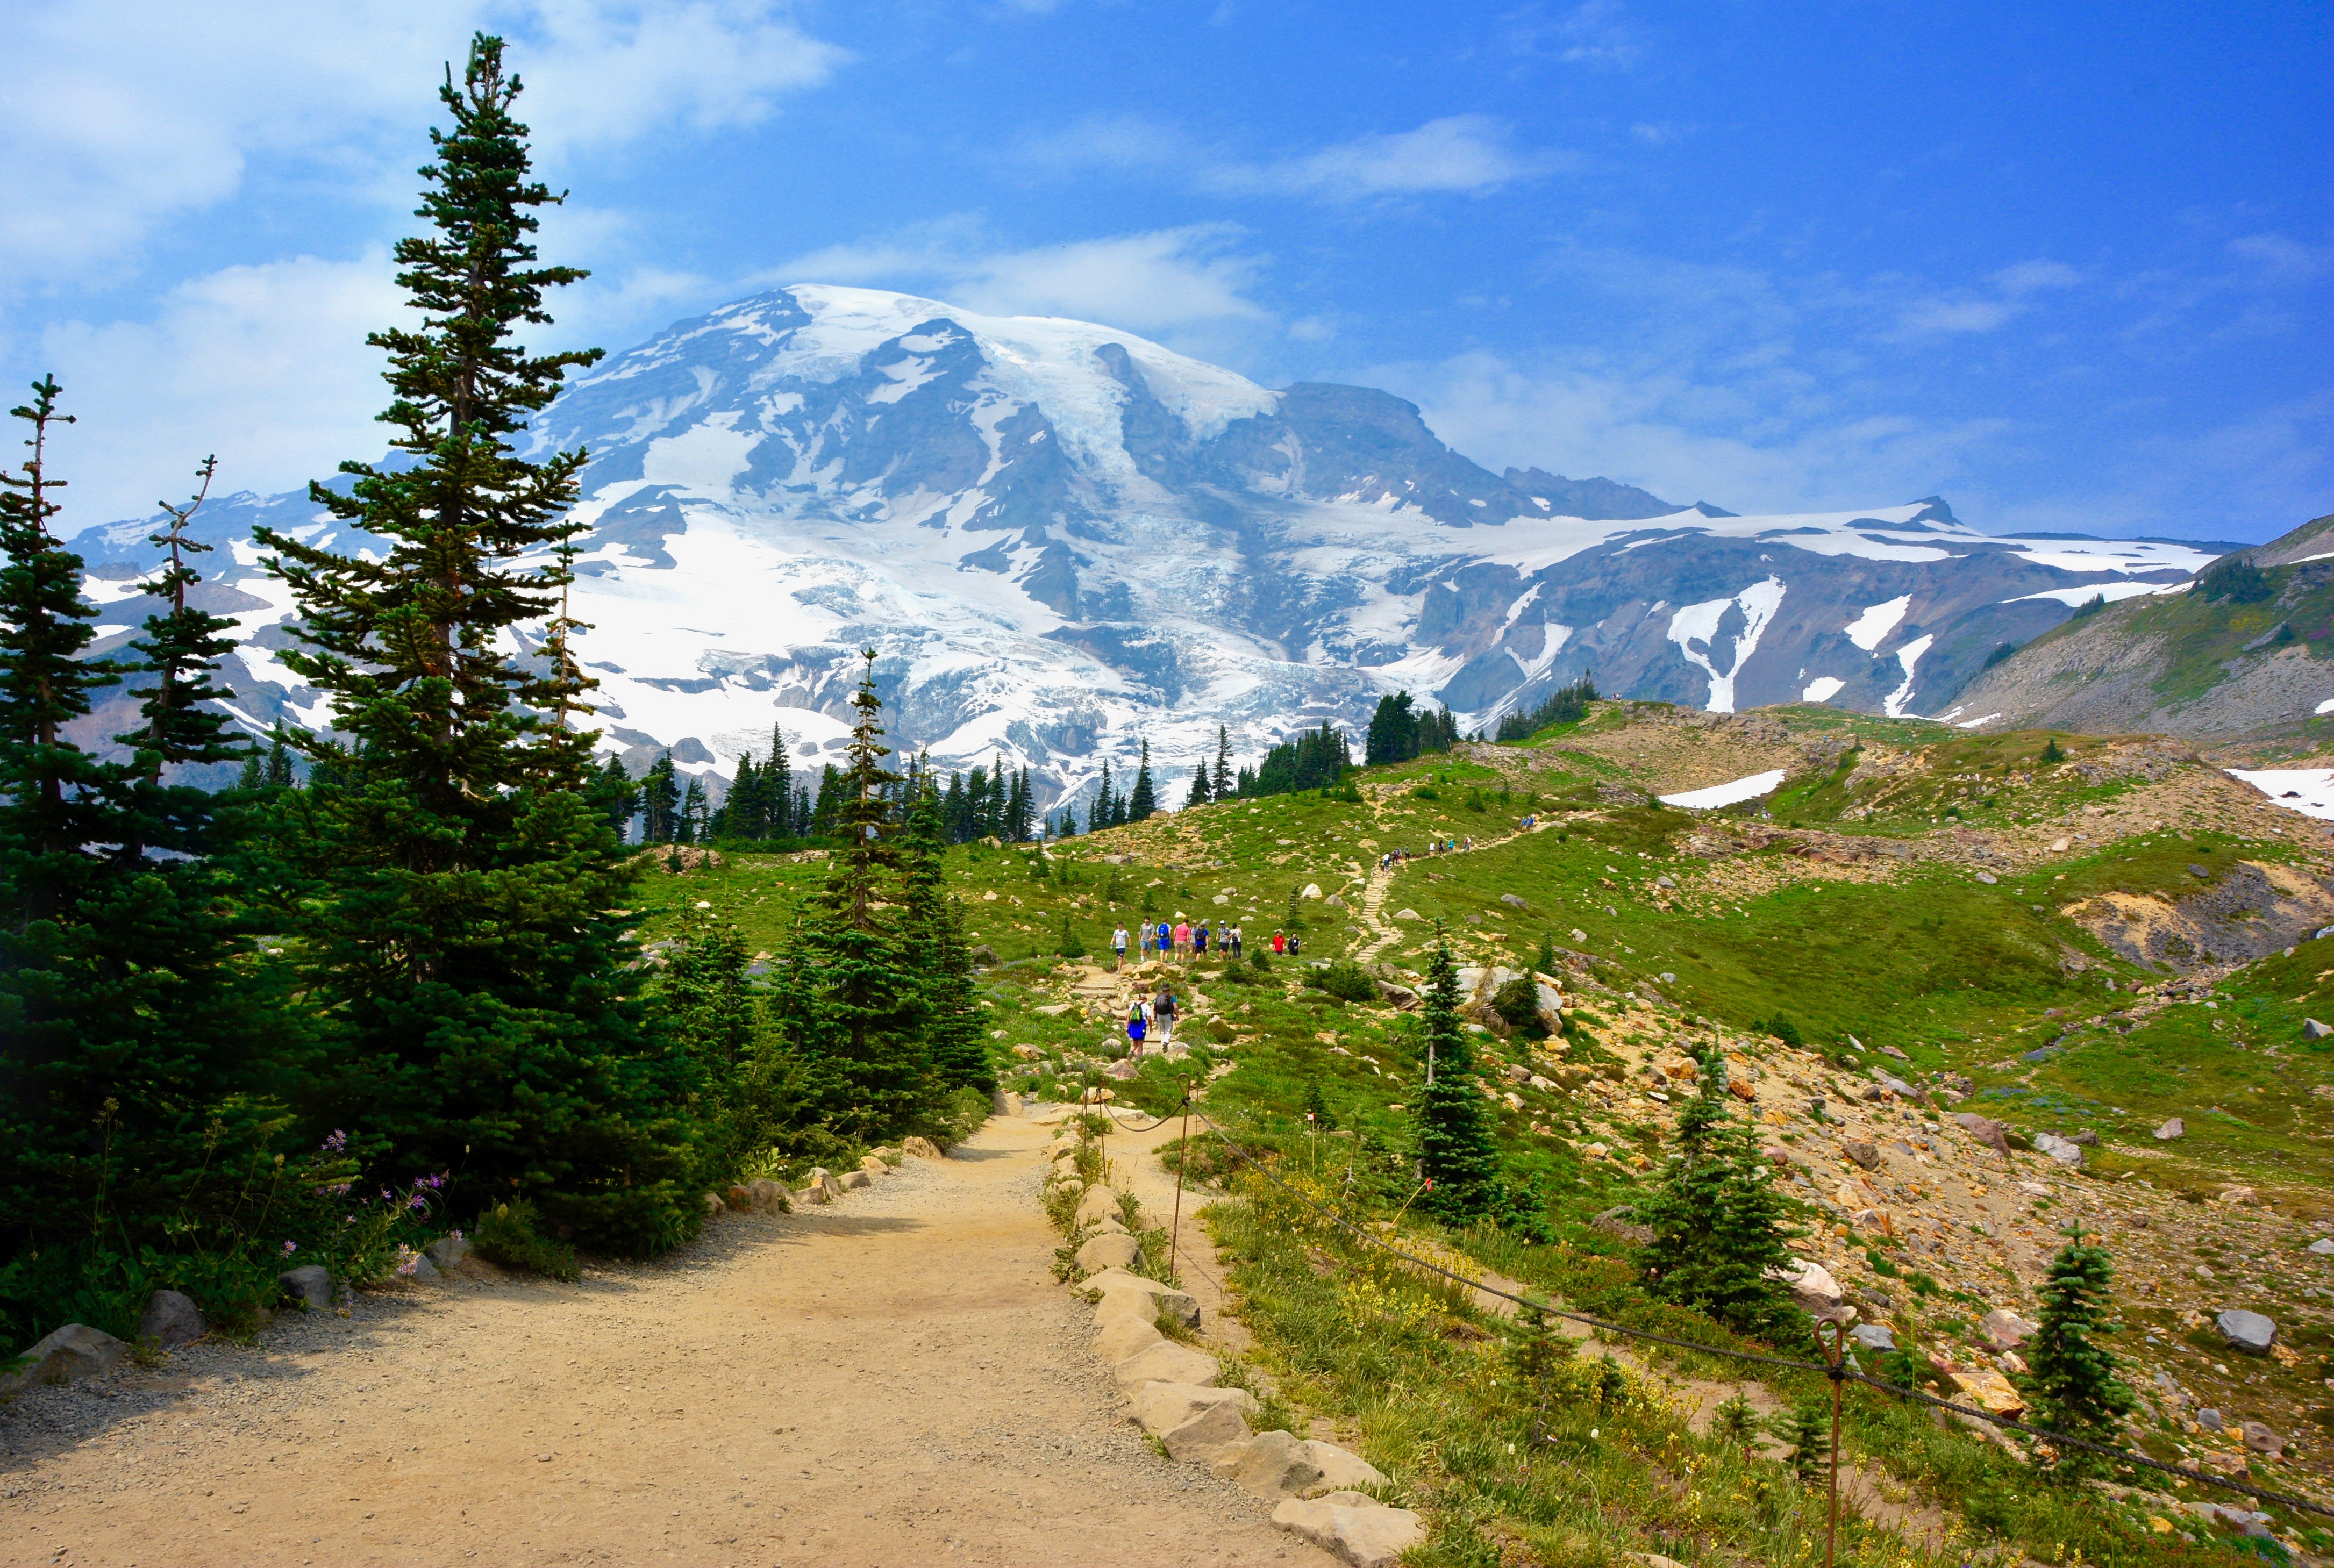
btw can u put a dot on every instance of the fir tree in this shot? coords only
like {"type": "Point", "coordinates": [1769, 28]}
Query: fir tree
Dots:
{"type": "Point", "coordinates": [935, 932]}
{"type": "Point", "coordinates": [1455, 1152]}
{"type": "Point", "coordinates": [659, 802]}
{"type": "Point", "coordinates": [825, 811]}
{"type": "Point", "coordinates": [612, 796]}
{"type": "Point", "coordinates": [1718, 1223]}
{"type": "Point", "coordinates": [1393, 734]}
{"type": "Point", "coordinates": [1316, 1108]}
{"type": "Point", "coordinates": [279, 762]}
{"type": "Point", "coordinates": [688, 825]}
{"type": "Point", "coordinates": [2071, 1378]}
{"type": "Point", "coordinates": [457, 930]}
{"type": "Point", "coordinates": [1142, 800]}
{"type": "Point", "coordinates": [181, 648]}
{"type": "Point", "coordinates": [1806, 1431]}
{"type": "Point", "coordinates": [1103, 814]}
{"type": "Point", "coordinates": [1220, 786]}
{"type": "Point", "coordinates": [872, 1007]}
{"type": "Point", "coordinates": [740, 817]}
{"type": "Point", "coordinates": [1199, 794]}
{"type": "Point", "coordinates": [778, 786]}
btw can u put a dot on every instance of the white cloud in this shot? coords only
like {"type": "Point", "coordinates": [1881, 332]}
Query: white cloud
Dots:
{"type": "Point", "coordinates": [1684, 440]}
{"type": "Point", "coordinates": [121, 114]}
{"type": "Point", "coordinates": [265, 366]}
{"type": "Point", "coordinates": [1466, 154]}
{"type": "Point", "coordinates": [1460, 154]}
{"type": "Point", "coordinates": [2015, 286]}
{"type": "Point", "coordinates": [1929, 318]}
{"type": "Point", "coordinates": [1598, 32]}
{"type": "Point", "coordinates": [2028, 277]}
{"type": "Point", "coordinates": [1154, 283]}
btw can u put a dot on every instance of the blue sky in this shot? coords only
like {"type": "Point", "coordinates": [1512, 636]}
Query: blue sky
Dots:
{"type": "Point", "coordinates": [2067, 265]}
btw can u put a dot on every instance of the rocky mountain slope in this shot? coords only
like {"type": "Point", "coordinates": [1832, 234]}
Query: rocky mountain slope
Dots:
{"type": "Point", "coordinates": [1064, 540]}
{"type": "Point", "coordinates": [2242, 658]}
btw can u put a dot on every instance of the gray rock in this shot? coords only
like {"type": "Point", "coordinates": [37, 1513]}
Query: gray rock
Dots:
{"type": "Point", "coordinates": [2260, 1440]}
{"type": "Point", "coordinates": [1159, 1407]}
{"type": "Point", "coordinates": [1207, 1435]}
{"type": "Point", "coordinates": [1166, 1362]}
{"type": "Point", "coordinates": [1985, 1129]}
{"type": "Point", "coordinates": [423, 1271]}
{"type": "Point", "coordinates": [1271, 1465]}
{"type": "Point", "coordinates": [2005, 1331]}
{"type": "Point", "coordinates": [448, 1250]}
{"type": "Point", "coordinates": [2315, 1030]}
{"type": "Point", "coordinates": [1866, 1155]}
{"type": "Point", "coordinates": [853, 1180]}
{"type": "Point", "coordinates": [873, 1166]}
{"type": "Point", "coordinates": [2086, 1138]}
{"type": "Point", "coordinates": [1108, 1251]}
{"type": "Point", "coordinates": [69, 1354]}
{"type": "Point", "coordinates": [311, 1286]}
{"type": "Point", "coordinates": [1147, 1296]}
{"type": "Point", "coordinates": [2171, 1130]}
{"type": "Point", "coordinates": [2063, 1150]}
{"type": "Point", "coordinates": [1513, 903]}
{"type": "Point", "coordinates": [1341, 1469]}
{"type": "Point", "coordinates": [1356, 1528]}
{"type": "Point", "coordinates": [1118, 1335]}
{"type": "Point", "coordinates": [172, 1319]}
{"type": "Point", "coordinates": [1874, 1337]}
{"type": "Point", "coordinates": [2323, 1246]}
{"type": "Point", "coordinates": [2247, 1331]}
{"type": "Point", "coordinates": [2209, 1418]}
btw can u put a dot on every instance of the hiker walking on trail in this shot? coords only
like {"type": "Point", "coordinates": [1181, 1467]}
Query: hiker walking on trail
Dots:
{"type": "Point", "coordinates": [1295, 944]}
{"type": "Point", "coordinates": [1118, 945]}
{"type": "Point", "coordinates": [1232, 934]}
{"type": "Point", "coordinates": [1199, 940]}
{"type": "Point", "coordinates": [1136, 1027]}
{"type": "Point", "coordinates": [1182, 939]}
{"type": "Point", "coordinates": [1279, 942]}
{"type": "Point", "coordinates": [1162, 1012]}
{"type": "Point", "coordinates": [1166, 941]}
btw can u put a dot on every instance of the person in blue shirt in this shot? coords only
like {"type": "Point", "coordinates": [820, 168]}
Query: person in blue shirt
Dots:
{"type": "Point", "coordinates": [1166, 940]}
{"type": "Point", "coordinates": [1199, 940]}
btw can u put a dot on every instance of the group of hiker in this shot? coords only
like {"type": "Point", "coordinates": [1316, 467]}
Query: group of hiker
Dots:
{"type": "Point", "coordinates": [1433, 847]}
{"type": "Point", "coordinates": [1181, 941]}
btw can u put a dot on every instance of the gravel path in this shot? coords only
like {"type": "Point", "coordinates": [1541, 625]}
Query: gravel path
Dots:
{"type": "Point", "coordinates": [894, 1380]}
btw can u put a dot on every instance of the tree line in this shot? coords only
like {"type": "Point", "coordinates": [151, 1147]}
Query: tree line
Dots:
{"type": "Point", "coordinates": [387, 982]}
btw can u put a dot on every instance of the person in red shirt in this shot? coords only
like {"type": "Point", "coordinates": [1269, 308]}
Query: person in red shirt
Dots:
{"type": "Point", "coordinates": [1279, 942]}
{"type": "Point", "coordinates": [1182, 939]}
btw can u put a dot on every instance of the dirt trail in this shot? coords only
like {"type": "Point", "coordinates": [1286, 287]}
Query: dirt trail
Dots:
{"type": "Point", "coordinates": [897, 1380]}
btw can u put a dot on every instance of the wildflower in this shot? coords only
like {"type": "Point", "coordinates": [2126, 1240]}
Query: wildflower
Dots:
{"type": "Point", "coordinates": [290, 1247]}
{"type": "Point", "coordinates": [408, 1260]}
{"type": "Point", "coordinates": [337, 1142]}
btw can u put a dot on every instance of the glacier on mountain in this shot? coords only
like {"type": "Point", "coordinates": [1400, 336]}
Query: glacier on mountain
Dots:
{"type": "Point", "coordinates": [1064, 541]}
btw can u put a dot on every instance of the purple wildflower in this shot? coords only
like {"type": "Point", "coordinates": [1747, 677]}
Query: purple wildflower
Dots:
{"type": "Point", "coordinates": [290, 1247]}
{"type": "Point", "coordinates": [337, 1142]}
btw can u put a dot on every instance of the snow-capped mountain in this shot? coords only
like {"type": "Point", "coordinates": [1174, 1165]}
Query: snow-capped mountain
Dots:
{"type": "Point", "coordinates": [1064, 540]}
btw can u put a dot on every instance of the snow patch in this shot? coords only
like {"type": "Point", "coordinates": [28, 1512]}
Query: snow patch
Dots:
{"type": "Point", "coordinates": [2307, 790]}
{"type": "Point", "coordinates": [1868, 629]}
{"type": "Point", "coordinates": [1823, 689]}
{"type": "Point", "coordinates": [1973, 723]}
{"type": "Point", "coordinates": [1727, 794]}
{"type": "Point", "coordinates": [2110, 591]}
{"type": "Point", "coordinates": [2326, 706]}
{"type": "Point", "coordinates": [1699, 623]}
{"type": "Point", "coordinates": [1908, 656]}
{"type": "Point", "coordinates": [702, 458]}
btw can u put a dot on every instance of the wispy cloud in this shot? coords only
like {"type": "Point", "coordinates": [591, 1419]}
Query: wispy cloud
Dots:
{"type": "Point", "coordinates": [2012, 292]}
{"type": "Point", "coordinates": [1458, 155]}
{"type": "Point", "coordinates": [1598, 32]}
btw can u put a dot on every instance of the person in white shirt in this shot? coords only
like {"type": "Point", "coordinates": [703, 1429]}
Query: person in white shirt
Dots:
{"type": "Point", "coordinates": [1118, 945]}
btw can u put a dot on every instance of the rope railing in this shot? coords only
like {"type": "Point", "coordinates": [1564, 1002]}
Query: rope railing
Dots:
{"type": "Point", "coordinates": [1836, 1371]}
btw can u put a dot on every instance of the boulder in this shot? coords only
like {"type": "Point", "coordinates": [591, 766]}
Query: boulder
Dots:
{"type": "Point", "coordinates": [67, 1355]}
{"type": "Point", "coordinates": [766, 1196]}
{"type": "Point", "coordinates": [1985, 1129]}
{"type": "Point", "coordinates": [1005, 1103]}
{"type": "Point", "coordinates": [171, 1318]}
{"type": "Point", "coordinates": [1109, 1251]}
{"type": "Point", "coordinates": [2315, 1030]}
{"type": "Point", "coordinates": [1271, 1465]}
{"type": "Point", "coordinates": [1874, 1337]}
{"type": "Point", "coordinates": [2323, 1246]}
{"type": "Point", "coordinates": [1098, 1201]}
{"type": "Point", "coordinates": [1166, 1362]}
{"type": "Point", "coordinates": [1866, 1155]}
{"type": "Point", "coordinates": [1399, 998]}
{"type": "Point", "coordinates": [1990, 1391]}
{"type": "Point", "coordinates": [1159, 1407]}
{"type": "Point", "coordinates": [853, 1180]}
{"type": "Point", "coordinates": [1513, 901]}
{"type": "Point", "coordinates": [1358, 1529]}
{"type": "Point", "coordinates": [1811, 1286]}
{"type": "Point", "coordinates": [1341, 1469]}
{"type": "Point", "coordinates": [1117, 1284]}
{"type": "Point", "coordinates": [2247, 1331]}
{"type": "Point", "coordinates": [874, 1165]}
{"type": "Point", "coordinates": [447, 1250]}
{"type": "Point", "coordinates": [2171, 1130]}
{"type": "Point", "coordinates": [2242, 1197]}
{"type": "Point", "coordinates": [2260, 1440]}
{"type": "Point", "coordinates": [310, 1285]}
{"type": "Point", "coordinates": [2065, 1151]}
{"type": "Point", "coordinates": [420, 1270]}
{"type": "Point", "coordinates": [2005, 1331]}
{"type": "Point", "coordinates": [2210, 1420]}
{"type": "Point", "coordinates": [831, 1184]}
{"type": "Point", "coordinates": [1118, 1335]}
{"type": "Point", "coordinates": [816, 1192]}
{"type": "Point", "coordinates": [1108, 1225]}
{"type": "Point", "coordinates": [921, 1148]}
{"type": "Point", "coordinates": [1207, 1435]}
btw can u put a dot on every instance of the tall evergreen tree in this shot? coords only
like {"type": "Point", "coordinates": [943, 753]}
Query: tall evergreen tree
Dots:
{"type": "Point", "coordinates": [660, 802]}
{"type": "Point", "coordinates": [935, 931]}
{"type": "Point", "coordinates": [2071, 1378]}
{"type": "Point", "coordinates": [1142, 800]}
{"type": "Point", "coordinates": [1455, 1150]}
{"type": "Point", "coordinates": [825, 811]}
{"type": "Point", "coordinates": [1201, 793]}
{"type": "Point", "coordinates": [871, 1009]}
{"type": "Point", "coordinates": [460, 884]}
{"type": "Point", "coordinates": [279, 762]}
{"type": "Point", "coordinates": [1104, 813]}
{"type": "Point", "coordinates": [689, 827]}
{"type": "Point", "coordinates": [778, 786]}
{"type": "Point", "coordinates": [1719, 1225]}
{"type": "Point", "coordinates": [612, 796]}
{"type": "Point", "coordinates": [1220, 786]}
{"type": "Point", "coordinates": [1393, 734]}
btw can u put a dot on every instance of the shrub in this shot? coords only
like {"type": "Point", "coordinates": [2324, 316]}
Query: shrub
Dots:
{"type": "Point", "coordinates": [510, 1234]}
{"type": "Point", "coordinates": [1518, 1002]}
{"type": "Point", "coordinates": [1345, 980]}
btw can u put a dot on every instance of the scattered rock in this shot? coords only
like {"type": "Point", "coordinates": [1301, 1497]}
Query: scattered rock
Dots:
{"type": "Point", "coordinates": [2064, 1150]}
{"type": "Point", "coordinates": [1208, 1434]}
{"type": "Point", "coordinates": [171, 1318]}
{"type": "Point", "coordinates": [2210, 1420]}
{"type": "Point", "coordinates": [1811, 1285]}
{"type": "Point", "coordinates": [2262, 1441]}
{"type": "Point", "coordinates": [983, 957]}
{"type": "Point", "coordinates": [1098, 1201]}
{"type": "Point", "coordinates": [67, 1355]}
{"type": "Point", "coordinates": [2323, 1246]}
{"type": "Point", "coordinates": [1866, 1155]}
{"type": "Point", "coordinates": [2247, 1331]}
{"type": "Point", "coordinates": [1271, 1465]}
{"type": "Point", "coordinates": [1990, 1391]}
{"type": "Point", "coordinates": [921, 1148]}
{"type": "Point", "coordinates": [2222, 1464]}
{"type": "Point", "coordinates": [1874, 1337]}
{"type": "Point", "coordinates": [1358, 1528]}
{"type": "Point", "coordinates": [1622, 1221]}
{"type": "Point", "coordinates": [448, 1250]}
{"type": "Point", "coordinates": [1513, 903]}
{"type": "Point", "coordinates": [311, 1286]}
{"type": "Point", "coordinates": [1107, 1251]}
{"type": "Point", "coordinates": [874, 1165]}
{"type": "Point", "coordinates": [2174, 1129]}
{"type": "Point", "coordinates": [1405, 914]}
{"type": "Point", "coordinates": [2005, 1331]}
{"type": "Point", "coordinates": [2315, 1030]}
{"type": "Point", "coordinates": [1123, 1334]}
{"type": "Point", "coordinates": [2086, 1138]}
{"type": "Point", "coordinates": [1985, 1129]}
{"type": "Point", "coordinates": [1160, 1407]}
{"type": "Point", "coordinates": [2242, 1197]}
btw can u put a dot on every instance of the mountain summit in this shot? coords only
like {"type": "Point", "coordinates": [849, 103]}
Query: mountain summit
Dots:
{"type": "Point", "coordinates": [1063, 540]}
